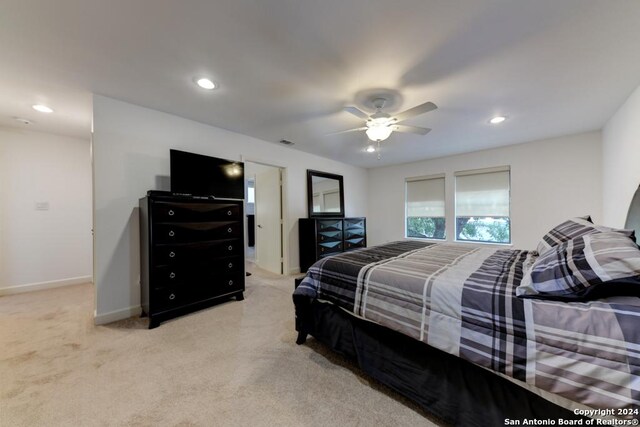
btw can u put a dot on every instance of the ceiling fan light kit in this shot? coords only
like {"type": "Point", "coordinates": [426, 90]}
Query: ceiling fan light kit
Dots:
{"type": "Point", "coordinates": [379, 132]}
{"type": "Point", "coordinates": [379, 124]}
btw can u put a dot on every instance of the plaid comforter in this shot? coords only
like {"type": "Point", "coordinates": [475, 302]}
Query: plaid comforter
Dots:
{"type": "Point", "coordinates": [461, 299]}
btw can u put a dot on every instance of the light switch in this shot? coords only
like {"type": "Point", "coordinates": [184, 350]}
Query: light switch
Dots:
{"type": "Point", "coordinates": [42, 206]}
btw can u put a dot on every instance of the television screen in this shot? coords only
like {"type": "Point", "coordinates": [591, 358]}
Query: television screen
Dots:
{"type": "Point", "coordinates": [199, 175]}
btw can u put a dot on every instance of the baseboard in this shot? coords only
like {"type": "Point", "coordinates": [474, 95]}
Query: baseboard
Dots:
{"type": "Point", "coordinates": [295, 270]}
{"type": "Point", "coordinates": [114, 316]}
{"type": "Point", "coordinates": [31, 287]}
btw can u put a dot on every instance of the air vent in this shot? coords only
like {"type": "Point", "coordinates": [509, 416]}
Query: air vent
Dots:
{"type": "Point", "coordinates": [285, 142]}
{"type": "Point", "coordinates": [23, 120]}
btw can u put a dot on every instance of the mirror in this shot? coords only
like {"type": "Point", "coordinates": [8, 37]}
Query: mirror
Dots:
{"type": "Point", "coordinates": [325, 194]}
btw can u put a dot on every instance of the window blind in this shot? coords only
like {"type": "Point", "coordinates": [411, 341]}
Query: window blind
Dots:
{"type": "Point", "coordinates": [425, 197]}
{"type": "Point", "coordinates": [482, 194]}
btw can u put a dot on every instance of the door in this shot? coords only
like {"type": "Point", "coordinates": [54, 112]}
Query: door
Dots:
{"type": "Point", "coordinates": [268, 219]}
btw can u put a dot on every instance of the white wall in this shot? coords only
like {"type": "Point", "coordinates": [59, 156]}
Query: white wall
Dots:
{"type": "Point", "coordinates": [44, 248]}
{"type": "Point", "coordinates": [620, 160]}
{"type": "Point", "coordinates": [551, 180]}
{"type": "Point", "coordinates": [131, 155]}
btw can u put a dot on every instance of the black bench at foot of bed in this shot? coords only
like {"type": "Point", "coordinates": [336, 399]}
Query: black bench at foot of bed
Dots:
{"type": "Point", "coordinates": [450, 388]}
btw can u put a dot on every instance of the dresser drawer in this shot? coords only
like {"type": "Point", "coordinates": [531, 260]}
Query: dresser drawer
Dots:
{"type": "Point", "coordinates": [354, 223]}
{"type": "Point", "coordinates": [329, 225]}
{"type": "Point", "coordinates": [178, 275]}
{"type": "Point", "coordinates": [329, 236]}
{"type": "Point", "coordinates": [355, 232]}
{"type": "Point", "coordinates": [194, 231]}
{"type": "Point", "coordinates": [195, 253]}
{"type": "Point", "coordinates": [355, 243]}
{"type": "Point", "coordinates": [221, 286]}
{"type": "Point", "coordinates": [172, 297]}
{"type": "Point", "coordinates": [328, 248]}
{"type": "Point", "coordinates": [188, 212]}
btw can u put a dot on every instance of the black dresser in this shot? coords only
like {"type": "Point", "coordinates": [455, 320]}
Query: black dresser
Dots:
{"type": "Point", "coordinates": [192, 253]}
{"type": "Point", "coordinates": [320, 237]}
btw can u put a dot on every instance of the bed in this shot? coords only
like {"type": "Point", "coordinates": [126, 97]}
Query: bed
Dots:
{"type": "Point", "coordinates": [458, 329]}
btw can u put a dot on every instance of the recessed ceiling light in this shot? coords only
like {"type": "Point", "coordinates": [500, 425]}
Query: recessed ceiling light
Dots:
{"type": "Point", "coordinates": [42, 108]}
{"type": "Point", "coordinates": [205, 83]}
{"type": "Point", "coordinates": [497, 119]}
{"type": "Point", "coordinates": [371, 149]}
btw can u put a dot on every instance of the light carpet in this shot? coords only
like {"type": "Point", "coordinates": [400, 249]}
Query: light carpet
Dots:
{"type": "Point", "coordinates": [234, 364]}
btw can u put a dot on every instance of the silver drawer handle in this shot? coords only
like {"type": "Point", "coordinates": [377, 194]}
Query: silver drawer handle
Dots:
{"type": "Point", "coordinates": [171, 213]}
{"type": "Point", "coordinates": [171, 233]}
{"type": "Point", "coordinates": [172, 275]}
{"type": "Point", "coordinates": [229, 229]}
{"type": "Point", "coordinates": [172, 297]}
{"type": "Point", "coordinates": [230, 265]}
{"type": "Point", "coordinates": [172, 254]}
{"type": "Point", "coordinates": [230, 248]}
{"type": "Point", "coordinates": [230, 282]}
{"type": "Point", "coordinates": [229, 213]}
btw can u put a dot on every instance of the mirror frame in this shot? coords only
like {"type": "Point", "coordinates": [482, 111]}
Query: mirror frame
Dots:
{"type": "Point", "coordinates": [310, 175]}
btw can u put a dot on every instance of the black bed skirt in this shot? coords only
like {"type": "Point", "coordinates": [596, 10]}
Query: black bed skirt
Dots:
{"type": "Point", "coordinates": [452, 389]}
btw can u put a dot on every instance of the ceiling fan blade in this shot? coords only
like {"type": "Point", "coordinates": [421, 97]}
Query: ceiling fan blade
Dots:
{"type": "Point", "coordinates": [412, 129]}
{"type": "Point", "coordinates": [356, 112]}
{"type": "Point", "coordinates": [415, 111]}
{"type": "Point", "coordinates": [348, 130]}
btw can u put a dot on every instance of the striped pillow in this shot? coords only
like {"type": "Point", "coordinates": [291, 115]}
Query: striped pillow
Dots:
{"type": "Point", "coordinates": [587, 267]}
{"type": "Point", "coordinates": [573, 228]}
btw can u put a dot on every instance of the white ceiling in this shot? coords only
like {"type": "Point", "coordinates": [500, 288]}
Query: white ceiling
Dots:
{"type": "Point", "coordinates": [287, 67]}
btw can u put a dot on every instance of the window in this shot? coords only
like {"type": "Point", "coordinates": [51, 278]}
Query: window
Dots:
{"type": "Point", "coordinates": [251, 197]}
{"type": "Point", "coordinates": [482, 205]}
{"type": "Point", "coordinates": [425, 207]}
{"type": "Point", "coordinates": [251, 193]}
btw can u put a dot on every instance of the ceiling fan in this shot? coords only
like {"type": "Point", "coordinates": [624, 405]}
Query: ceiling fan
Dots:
{"type": "Point", "coordinates": [380, 125]}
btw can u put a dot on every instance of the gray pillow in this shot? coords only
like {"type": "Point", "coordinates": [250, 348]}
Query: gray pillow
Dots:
{"type": "Point", "coordinates": [587, 267]}
{"type": "Point", "coordinates": [573, 228]}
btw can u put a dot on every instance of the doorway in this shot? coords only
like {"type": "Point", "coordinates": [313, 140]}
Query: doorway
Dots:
{"type": "Point", "coordinates": [265, 222]}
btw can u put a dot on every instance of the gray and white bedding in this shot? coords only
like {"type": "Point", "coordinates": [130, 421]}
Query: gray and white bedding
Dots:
{"type": "Point", "coordinates": [462, 299]}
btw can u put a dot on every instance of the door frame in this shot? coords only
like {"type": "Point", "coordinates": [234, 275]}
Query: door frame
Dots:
{"type": "Point", "coordinates": [283, 211]}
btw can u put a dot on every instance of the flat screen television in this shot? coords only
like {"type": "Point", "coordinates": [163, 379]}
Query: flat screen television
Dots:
{"type": "Point", "coordinates": [199, 175]}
